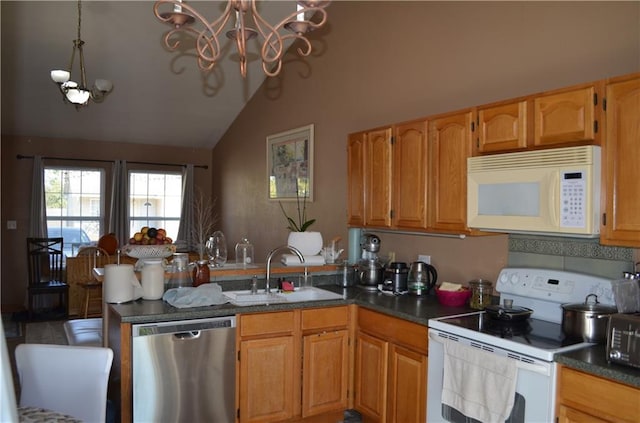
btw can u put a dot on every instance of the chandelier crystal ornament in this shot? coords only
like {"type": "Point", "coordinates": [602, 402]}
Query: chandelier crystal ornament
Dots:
{"type": "Point", "coordinates": [72, 92]}
{"type": "Point", "coordinates": [249, 24]}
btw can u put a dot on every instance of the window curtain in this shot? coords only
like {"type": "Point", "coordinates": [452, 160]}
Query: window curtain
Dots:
{"type": "Point", "coordinates": [185, 230]}
{"type": "Point", "coordinates": [119, 209]}
{"type": "Point", "coordinates": [38, 213]}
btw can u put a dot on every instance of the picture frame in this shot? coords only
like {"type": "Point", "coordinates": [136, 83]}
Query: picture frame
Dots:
{"type": "Point", "coordinates": [290, 164]}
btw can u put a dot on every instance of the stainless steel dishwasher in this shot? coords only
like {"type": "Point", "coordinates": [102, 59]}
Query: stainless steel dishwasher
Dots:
{"type": "Point", "coordinates": [184, 371]}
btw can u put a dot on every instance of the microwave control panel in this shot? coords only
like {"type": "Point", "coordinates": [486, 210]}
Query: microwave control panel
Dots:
{"type": "Point", "coordinates": [573, 199]}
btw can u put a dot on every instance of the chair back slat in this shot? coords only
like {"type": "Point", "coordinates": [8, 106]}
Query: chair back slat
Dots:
{"type": "Point", "coordinates": [45, 260]}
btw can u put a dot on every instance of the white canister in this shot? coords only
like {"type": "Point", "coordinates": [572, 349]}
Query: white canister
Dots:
{"type": "Point", "coordinates": [152, 279]}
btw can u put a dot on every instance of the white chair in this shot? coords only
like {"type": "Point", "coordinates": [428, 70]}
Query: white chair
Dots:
{"type": "Point", "coordinates": [8, 407]}
{"type": "Point", "coordinates": [68, 379]}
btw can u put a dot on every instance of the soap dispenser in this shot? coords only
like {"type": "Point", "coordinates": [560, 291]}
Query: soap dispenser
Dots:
{"type": "Point", "coordinates": [244, 252]}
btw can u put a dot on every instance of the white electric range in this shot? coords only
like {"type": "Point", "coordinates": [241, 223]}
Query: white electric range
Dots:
{"type": "Point", "coordinates": [532, 342]}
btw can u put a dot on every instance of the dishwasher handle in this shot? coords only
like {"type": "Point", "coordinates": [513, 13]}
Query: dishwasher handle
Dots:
{"type": "Point", "coordinates": [194, 334]}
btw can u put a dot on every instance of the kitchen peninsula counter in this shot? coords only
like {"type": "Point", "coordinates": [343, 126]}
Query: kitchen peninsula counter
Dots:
{"type": "Point", "coordinates": [415, 309]}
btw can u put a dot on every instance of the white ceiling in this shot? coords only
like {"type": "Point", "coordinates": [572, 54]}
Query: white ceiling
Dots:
{"type": "Point", "coordinates": [159, 97]}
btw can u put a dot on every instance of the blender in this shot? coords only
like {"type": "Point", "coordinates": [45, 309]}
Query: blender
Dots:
{"type": "Point", "coordinates": [370, 270]}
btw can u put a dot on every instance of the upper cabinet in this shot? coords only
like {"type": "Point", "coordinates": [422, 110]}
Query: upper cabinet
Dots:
{"type": "Point", "coordinates": [563, 117]}
{"type": "Point", "coordinates": [377, 166]}
{"type": "Point", "coordinates": [502, 127]}
{"type": "Point", "coordinates": [410, 158]}
{"type": "Point", "coordinates": [620, 224]}
{"type": "Point", "coordinates": [355, 174]}
{"type": "Point", "coordinates": [450, 139]}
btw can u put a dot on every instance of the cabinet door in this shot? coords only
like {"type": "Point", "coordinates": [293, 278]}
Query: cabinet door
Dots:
{"type": "Point", "coordinates": [356, 178]}
{"type": "Point", "coordinates": [621, 150]}
{"type": "Point", "coordinates": [571, 415]}
{"type": "Point", "coordinates": [450, 145]}
{"type": "Point", "coordinates": [565, 117]}
{"type": "Point", "coordinates": [410, 176]}
{"type": "Point", "coordinates": [407, 386]}
{"type": "Point", "coordinates": [371, 377]}
{"type": "Point", "coordinates": [325, 371]}
{"type": "Point", "coordinates": [266, 377]}
{"type": "Point", "coordinates": [378, 178]}
{"type": "Point", "coordinates": [502, 128]}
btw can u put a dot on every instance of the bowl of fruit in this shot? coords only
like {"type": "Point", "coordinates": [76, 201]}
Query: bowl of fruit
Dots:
{"type": "Point", "coordinates": [149, 243]}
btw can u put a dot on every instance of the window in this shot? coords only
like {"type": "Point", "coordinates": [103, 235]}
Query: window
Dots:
{"type": "Point", "coordinates": [75, 205]}
{"type": "Point", "coordinates": [155, 200]}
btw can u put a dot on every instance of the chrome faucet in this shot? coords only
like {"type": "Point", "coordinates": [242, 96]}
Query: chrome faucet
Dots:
{"type": "Point", "coordinates": [272, 253]}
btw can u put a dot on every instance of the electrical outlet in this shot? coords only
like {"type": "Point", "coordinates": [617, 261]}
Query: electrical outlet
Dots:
{"type": "Point", "coordinates": [424, 258]}
{"type": "Point", "coordinates": [12, 224]}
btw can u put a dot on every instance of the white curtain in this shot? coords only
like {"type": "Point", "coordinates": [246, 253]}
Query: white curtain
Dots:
{"type": "Point", "coordinates": [38, 213]}
{"type": "Point", "coordinates": [119, 210]}
{"type": "Point", "coordinates": [186, 216]}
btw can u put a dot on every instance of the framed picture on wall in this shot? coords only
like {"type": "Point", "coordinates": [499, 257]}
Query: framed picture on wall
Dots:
{"type": "Point", "coordinates": [290, 164]}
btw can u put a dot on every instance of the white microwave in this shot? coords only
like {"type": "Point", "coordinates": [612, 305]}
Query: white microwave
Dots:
{"type": "Point", "coordinates": [554, 191]}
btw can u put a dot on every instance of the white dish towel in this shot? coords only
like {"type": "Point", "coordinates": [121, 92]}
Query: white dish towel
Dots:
{"type": "Point", "coordinates": [478, 384]}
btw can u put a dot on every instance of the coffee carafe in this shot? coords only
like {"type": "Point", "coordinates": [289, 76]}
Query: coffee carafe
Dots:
{"type": "Point", "coordinates": [370, 270]}
{"type": "Point", "coordinates": [422, 278]}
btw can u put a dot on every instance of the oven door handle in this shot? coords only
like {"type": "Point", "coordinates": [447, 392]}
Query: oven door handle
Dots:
{"type": "Point", "coordinates": [536, 368]}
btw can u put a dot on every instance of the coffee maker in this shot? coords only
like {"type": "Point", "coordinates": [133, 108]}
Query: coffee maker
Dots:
{"type": "Point", "coordinates": [370, 270]}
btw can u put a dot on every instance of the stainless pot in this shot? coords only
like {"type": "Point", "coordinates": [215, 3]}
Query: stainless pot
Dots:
{"type": "Point", "coordinates": [587, 320]}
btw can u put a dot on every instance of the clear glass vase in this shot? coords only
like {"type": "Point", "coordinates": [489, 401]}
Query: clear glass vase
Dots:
{"type": "Point", "coordinates": [217, 249]}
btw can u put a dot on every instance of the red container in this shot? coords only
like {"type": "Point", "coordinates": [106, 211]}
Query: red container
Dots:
{"type": "Point", "coordinates": [453, 298]}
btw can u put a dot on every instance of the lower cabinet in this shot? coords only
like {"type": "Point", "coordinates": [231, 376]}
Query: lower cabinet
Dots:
{"type": "Point", "coordinates": [587, 398]}
{"type": "Point", "coordinates": [292, 364]}
{"type": "Point", "coordinates": [391, 369]}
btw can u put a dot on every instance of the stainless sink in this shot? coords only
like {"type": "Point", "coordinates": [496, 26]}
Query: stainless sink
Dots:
{"type": "Point", "coordinates": [246, 298]}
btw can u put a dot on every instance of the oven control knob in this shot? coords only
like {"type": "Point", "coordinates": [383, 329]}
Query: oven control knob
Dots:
{"type": "Point", "coordinates": [615, 354]}
{"type": "Point", "coordinates": [514, 279]}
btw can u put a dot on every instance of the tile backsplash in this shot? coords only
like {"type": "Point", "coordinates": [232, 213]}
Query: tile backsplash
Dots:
{"type": "Point", "coordinates": [570, 254]}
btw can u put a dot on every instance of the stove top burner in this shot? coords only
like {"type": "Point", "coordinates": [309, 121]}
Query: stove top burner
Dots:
{"type": "Point", "coordinates": [508, 329]}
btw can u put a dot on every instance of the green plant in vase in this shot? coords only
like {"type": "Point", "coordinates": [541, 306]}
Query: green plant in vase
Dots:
{"type": "Point", "coordinates": [309, 243]}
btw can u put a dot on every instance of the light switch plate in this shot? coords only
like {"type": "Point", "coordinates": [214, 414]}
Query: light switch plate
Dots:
{"type": "Point", "coordinates": [12, 224]}
{"type": "Point", "coordinates": [424, 258]}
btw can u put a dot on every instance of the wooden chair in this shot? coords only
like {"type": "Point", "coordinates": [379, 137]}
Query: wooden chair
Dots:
{"type": "Point", "coordinates": [45, 266]}
{"type": "Point", "coordinates": [92, 287]}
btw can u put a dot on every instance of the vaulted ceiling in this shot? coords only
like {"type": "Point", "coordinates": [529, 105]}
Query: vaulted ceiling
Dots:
{"type": "Point", "coordinates": [159, 97]}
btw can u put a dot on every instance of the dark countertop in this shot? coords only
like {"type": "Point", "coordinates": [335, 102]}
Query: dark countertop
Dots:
{"type": "Point", "coordinates": [593, 360]}
{"type": "Point", "coordinates": [415, 309]}
{"type": "Point", "coordinates": [412, 308]}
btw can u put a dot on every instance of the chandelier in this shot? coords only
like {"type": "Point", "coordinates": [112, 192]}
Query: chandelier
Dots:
{"type": "Point", "coordinates": [248, 25]}
{"type": "Point", "coordinates": [72, 92]}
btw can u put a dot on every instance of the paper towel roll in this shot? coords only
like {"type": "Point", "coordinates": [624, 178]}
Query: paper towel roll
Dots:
{"type": "Point", "coordinates": [355, 252]}
{"type": "Point", "coordinates": [120, 283]}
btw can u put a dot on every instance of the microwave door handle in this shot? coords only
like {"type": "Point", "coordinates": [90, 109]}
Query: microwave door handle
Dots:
{"type": "Point", "coordinates": [554, 200]}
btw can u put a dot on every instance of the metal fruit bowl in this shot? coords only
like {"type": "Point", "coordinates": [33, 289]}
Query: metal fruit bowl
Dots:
{"type": "Point", "coordinates": [149, 251]}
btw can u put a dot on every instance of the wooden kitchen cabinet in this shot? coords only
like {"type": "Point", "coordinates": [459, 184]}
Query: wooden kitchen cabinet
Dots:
{"type": "Point", "coordinates": [387, 176]}
{"type": "Point", "coordinates": [450, 141]}
{"type": "Point", "coordinates": [378, 178]}
{"type": "Point", "coordinates": [566, 117]}
{"type": "Point", "coordinates": [587, 398]}
{"type": "Point", "coordinates": [292, 364]}
{"type": "Point", "coordinates": [620, 224]}
{"type": "Point", "coordinates": [502, 127]}
{"type": "Point", "coordinates": [410, 168]}
{"type": "Point", "coordinates": [268, 367]}
{"type": "Point", "coordinates": [391, 368]}
{"type": "Point", "coordinates": [355, 176]}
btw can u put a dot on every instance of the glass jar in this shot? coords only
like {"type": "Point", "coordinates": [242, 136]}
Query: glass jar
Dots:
{"type": "Point", "coordinates": [481, 291]}
{"type": "Point", "coordinates": [244, 252]}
